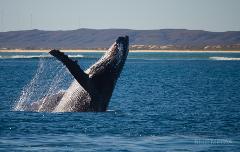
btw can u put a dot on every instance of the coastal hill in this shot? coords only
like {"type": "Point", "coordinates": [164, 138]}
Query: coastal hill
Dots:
{"type": "Point", "coordinates": [139, 39]}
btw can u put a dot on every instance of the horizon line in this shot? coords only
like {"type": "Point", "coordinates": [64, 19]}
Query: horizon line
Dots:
{"type": "Point", "coordinates": [119, 29]}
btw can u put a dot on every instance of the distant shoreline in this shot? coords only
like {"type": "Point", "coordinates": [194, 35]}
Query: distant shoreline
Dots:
{"type": "Point", "coordinates": [94, 51]}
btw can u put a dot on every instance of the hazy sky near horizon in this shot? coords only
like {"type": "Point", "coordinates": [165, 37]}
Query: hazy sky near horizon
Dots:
{"type": "Point", "coordinates": [211, 15]}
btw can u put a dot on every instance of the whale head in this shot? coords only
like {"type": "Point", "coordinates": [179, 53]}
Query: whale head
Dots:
{"type": "Point", "coordinates": [112, 61]}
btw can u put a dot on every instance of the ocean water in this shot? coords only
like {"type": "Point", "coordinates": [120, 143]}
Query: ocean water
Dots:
{"type": "Point", "coordinates": [162, 102]}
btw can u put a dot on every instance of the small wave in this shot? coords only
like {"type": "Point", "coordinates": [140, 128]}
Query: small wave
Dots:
{"type": "Point", "coordinates": [76, 56]}
{"type": "Point", "coordinates": [108, 110]}
{"type": "Point", "coordinates": [223, 58]}
{"type": "Point", "coordinates": [35, 56]}
{"type": "Point", "coordinates": [149, 59]}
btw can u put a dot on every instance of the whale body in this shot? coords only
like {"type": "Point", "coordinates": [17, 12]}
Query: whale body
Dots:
{"type": "Point", "coordinates": [92, 89]}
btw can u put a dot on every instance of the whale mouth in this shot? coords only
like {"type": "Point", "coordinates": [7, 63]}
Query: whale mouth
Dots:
{"type": "Point", "coordinates": [122, 49]}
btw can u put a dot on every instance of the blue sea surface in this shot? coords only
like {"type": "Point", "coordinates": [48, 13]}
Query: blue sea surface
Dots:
{"type": "Point", "coordinates": [162, 102]}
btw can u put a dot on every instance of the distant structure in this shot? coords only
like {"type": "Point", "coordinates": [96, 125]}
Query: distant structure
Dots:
{"type": "Point", "coordinates": [2, 29]}
{"type": "Point", "coordinates": [79, 22]}
{"type": "Point", "coordinates": [31, 22]}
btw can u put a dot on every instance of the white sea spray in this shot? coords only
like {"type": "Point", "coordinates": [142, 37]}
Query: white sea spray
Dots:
{"type": "Point", "coordinates": [50, 78]}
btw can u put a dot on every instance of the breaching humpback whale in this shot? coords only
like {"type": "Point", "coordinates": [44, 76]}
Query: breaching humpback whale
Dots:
{"type": "Point", "coordinates": [92, 89]}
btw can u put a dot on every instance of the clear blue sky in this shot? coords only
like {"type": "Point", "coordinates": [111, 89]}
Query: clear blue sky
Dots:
{"type": "Point", "coordinates": [211, 15]}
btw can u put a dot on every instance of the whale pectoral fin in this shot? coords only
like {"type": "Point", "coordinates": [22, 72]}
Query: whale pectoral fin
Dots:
{"type": "Point", "coordinates": [73, 68]}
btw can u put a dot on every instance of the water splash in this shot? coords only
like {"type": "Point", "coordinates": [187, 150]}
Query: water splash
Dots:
{"type": "Point", "coordinates": [51, 78]}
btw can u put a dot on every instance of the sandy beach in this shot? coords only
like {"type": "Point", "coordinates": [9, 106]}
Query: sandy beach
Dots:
{"type": "Point", "coordinates": [30, 51]}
